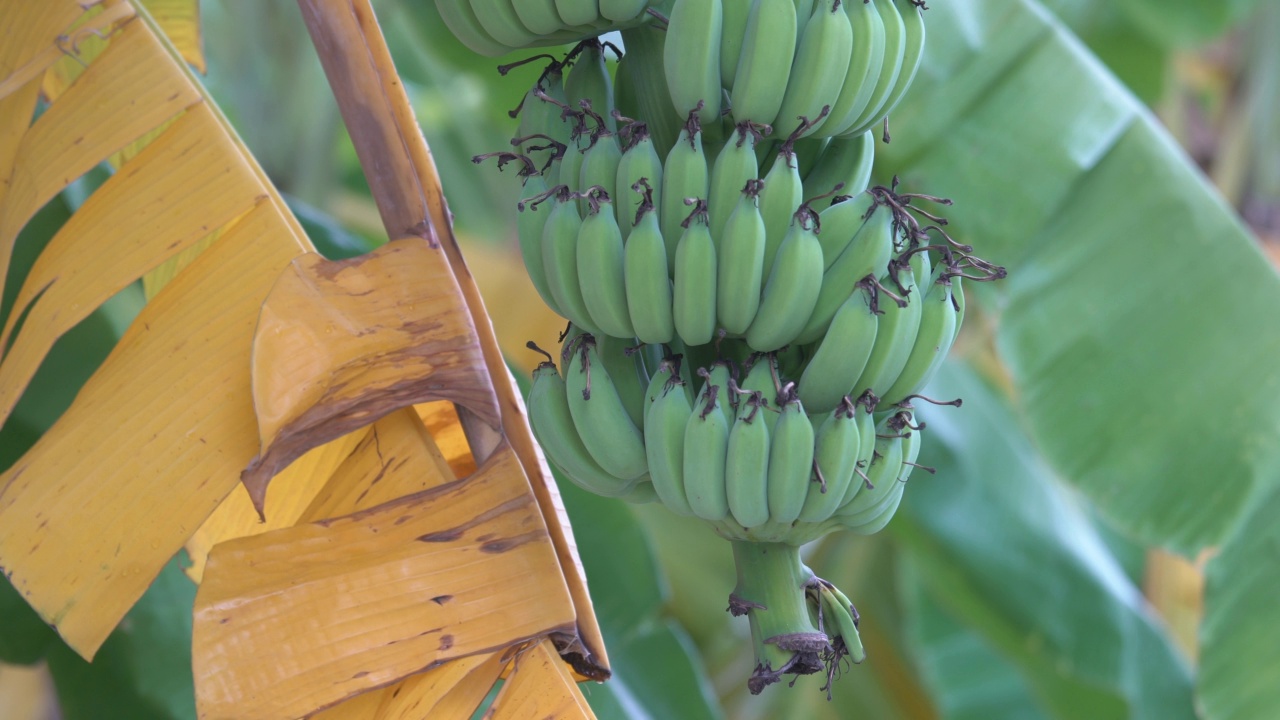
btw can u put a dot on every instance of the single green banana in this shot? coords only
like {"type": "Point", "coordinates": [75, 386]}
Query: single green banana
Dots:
{"type": "Point", "coordinates": [648, 284]}
{"type": "Point", "coordinates": [461, 20]}
{"type": "Point", "coordinates": [933, 341]}
{"type": "Point", "coordinates": [620, 10]}
{"type": "Point", "coordinates": [720, 374]}
{"type": "Point", "coordinates": [668, 367]}
{"type": "Point", "coordinates": [666, 420]}
{"type": "Point", "coordinates": [684, 175]}
{"type": "Point", "coordinates": [600, 415]}
{"type": "Point", "coordinates": [691, 57]}
{"type": "Point", "coordinates": [706, 442]}
{"type": "Point", "coordinates": [835, 454]}
{"type": "Point", "coordinates": [694, 296]}
{"type": "Point", "coordinates": [882, 475]}
{"type": "Point", "coordinates": [895, 45]}
{"type": "Point", "coordinates": [500, 20]}
{"type": "Point", "coordinates": [552, 424]}
{"type": "Point", "coordinates": [819, 69]}
{"type": "Point", "coordinates": [846, 162]}
{"type": "Point", "coordinates": [865, 419]}
{"type": "Point", "coordinates": [589, 79]}
{"type": "Point", "coordinates": [539, 16]}
{"type": "Point", "coordinates": [782, 195]}
{"type": "Point", "coordinates": [639, 161]}
{"type": "Point", "coordinates": [762, 377]}
{"type": "Point", "coordinates": [542, 111]}
{"type": "Point", "coordinates": [790, 463]}
{"type": "Point", "coordinates": [571, 162]}
{"type": "Point", "coordinates": [577, 12]}
{"type": "Point", "coordinates": [842, 354]}
{"type": "Point", "coordinates": [740, 265]}
{"type": "Point", "coordinates": [734, 29]}
{"type": "Point", "coordinates": [529, 227]}
{"type": "Point", "coordinates": [601, 267]}
{"type": "Point", "coordinates": [560, 258]}
{"type": "Point", "coordinates": [841, 223]}
{"type": "Point", "coordinates": [868, 254]}
{"type": "Point", "coordinates": [895, 336]}
{"type": "Point", "coordinates": [735, 164]}
{"type": "Point", "coordinates": [864, 67]}
{"type": "Point", "coordinates": [626, 370]}
{"type": "Point", "coordinates": [957, 293]}
{"type": "Point", "coordinates": [913, 53]}
{"type": "Point", "coordinates": [764, 64]}
{"type": "Point", "coordinates": [792, 289]}
{"type": "Point", "coordinates": [746, 470]}
{"type": "Point", "coordinates": [842, 618]}
{"type": "Point", "coordinates": [600, 168]}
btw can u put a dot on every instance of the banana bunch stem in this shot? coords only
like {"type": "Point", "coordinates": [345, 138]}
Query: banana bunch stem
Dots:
{"type": "Point", "coordinates": [771, 591]}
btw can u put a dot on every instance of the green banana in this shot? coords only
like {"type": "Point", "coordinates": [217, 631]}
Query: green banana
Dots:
{"type": "Point", "coordinates": [882, 475]}
{"type": "Point", "coordinates": [846, 162]}
{"type": "Point", "coordinates": [589, 79]}
{"type": "Point", "coordinates": [571, 162]}
{"type": "Point", "coordinates": [867, 254]}
{"type": "Point", "coordinates": [684, 176]}
{"type": "Point", "coordinates": [865, 63]}
{"type": "Point", "coordinates": [792, 288]}
{"type": "Point", "coordinates": [542, 111]}
{"type": "Point", "coordinates": [735, 164]}
{"type": "Point", "coordinates": [461, 20]}
{"type": "Point", "coordinates": [913, 54]}
{"type": "Point", "coordinates": [539, 16]}
{"type": "Point", "coordinates": [746, 471]}
{"type": "Point", "coordinates": [790, 462]}
{"type": "Point", "coordinates": [619, 10]}
{"type": "Point", "coordinates": [706, 442]}
{"type": "Point", "coordinates": [740, 266]}
{"type": "Point", "coordinates": [666, 419]}
{"type": "Point", "coordinates": [577, 12]}
{"type": "Point", "coordinates": [552, 424]}
{"type": "Point", "coordinates": [731, 36]}
{"type": "Point", "coordinates": [720, 374]}
{"type": "Point", "coordinates": [691, 57]}
{"type": "Point", "coordinates": [835, 454]}
{"type": "Point", "coordinates": [957, 293]}
{"type": "Point", "coordinates": [500, 21]}
{"type": "Point", "coordinates": [648, 284]}
{"type": "Point", "coordinates": [895, 336]}
{"type": "Point", "coordinates": [601, 267]}
{"type": "Point", "coordinates": [626, 370]}
{"type": "Point", "coordinates": [670, 366]}
{"type": "Point", "coordinates": [642, 87]}
{"type": "Point", "coordinates": [694, 298]}
{"type": "Point", "coordinates": [764, 64]}
{"type": "Point", "coordinates": [814, 84]}
{"type": "Point", "coordinates": [874, 519]}
{"type": "Point", "coordinates": [838, 611]}
{"type": "Point", "coordinates": [781, 196]}
{"type": "Point", "coordinates": [639, 161]}
{"type": "Point", "coordinates": [866, 422]}
{"type": "Point", "coordinates": [762, 377]}
{"type": "Point", "coordinates": [529, 227]}
{"type": "Point", "coordinates": [895, 45]}
{"type": "Point", "coordinates": [933, 341]}
{"type": "Point", "coordinates": [600, 167]}
{"type": "Point", "coordinates": [842, 353]}
{"type": "Point", "coordinates": [840, 225]}
{"type": "Point", "coordinates": [560, 258]}
{"type": "Point", "coordinates": [599, 413]}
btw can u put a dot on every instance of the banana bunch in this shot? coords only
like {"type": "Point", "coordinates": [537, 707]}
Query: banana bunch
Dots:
{"type": "Point", "coordinates": [497, 27]}
{"type": "Point", "coordinates": [838, 66]}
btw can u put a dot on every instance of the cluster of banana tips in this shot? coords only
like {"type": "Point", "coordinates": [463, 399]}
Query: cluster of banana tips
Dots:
{"type": "Point", "coordinates": [751, 320]}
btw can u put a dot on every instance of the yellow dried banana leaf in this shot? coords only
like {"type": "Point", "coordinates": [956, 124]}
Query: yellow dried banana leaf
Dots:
{"type": "Point", "coordinates": [456, 570]}
{"type": "Point", "coordinates": [539, 687]}
{"type": "Point", "coordinates": [158, 437]}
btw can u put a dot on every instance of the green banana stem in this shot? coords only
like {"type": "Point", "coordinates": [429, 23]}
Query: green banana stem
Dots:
{"type": "Point", "coordinates": [771, 591]}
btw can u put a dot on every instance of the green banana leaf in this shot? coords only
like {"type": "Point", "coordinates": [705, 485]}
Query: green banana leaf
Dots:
{"type": "Point", "coordinates": [965, 675]}
{"type": "Point", "coordinates": [1240, 635]}
{"type": "Point", "coordinates": [1003, 548]}
{"type": "Point", "coordinates": [1133, 318]}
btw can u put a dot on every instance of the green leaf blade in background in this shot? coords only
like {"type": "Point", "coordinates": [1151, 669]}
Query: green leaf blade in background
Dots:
{"type": "Point", "coordinates": [1135, 295]}
{"type": "Point", "coordinates": [1240, 634]}
{"type": "Point", "coordinates": [1000, 547]}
